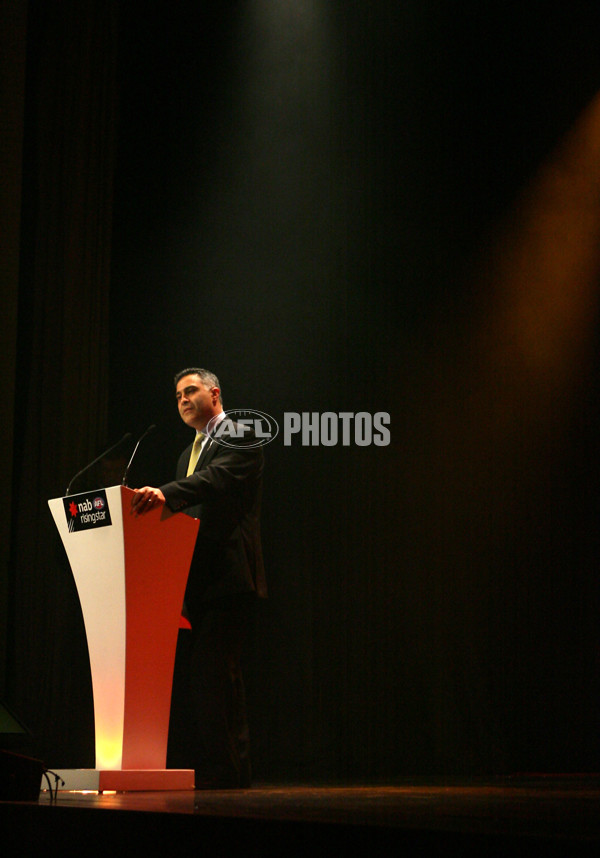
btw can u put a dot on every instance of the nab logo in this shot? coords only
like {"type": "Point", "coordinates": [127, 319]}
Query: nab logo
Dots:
{"type": "Point", "coordinates": [85, 511]}
{"type": "Point", "coordinates": [243, 427]}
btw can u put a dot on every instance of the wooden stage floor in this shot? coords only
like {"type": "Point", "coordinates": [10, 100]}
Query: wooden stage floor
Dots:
{"type": "Point", "coordinates": [556, 815]}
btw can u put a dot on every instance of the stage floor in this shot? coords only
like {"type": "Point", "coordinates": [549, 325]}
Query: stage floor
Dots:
{"type": "Point", "coordinates": [556, 814]}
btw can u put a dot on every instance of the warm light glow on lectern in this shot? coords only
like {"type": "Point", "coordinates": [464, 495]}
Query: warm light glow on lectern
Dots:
{"type": "Point", "coordinates": [109, 751]}
{"type": "Point", "coordinates": [109, 699]}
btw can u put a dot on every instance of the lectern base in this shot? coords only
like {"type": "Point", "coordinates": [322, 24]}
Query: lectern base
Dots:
{"type": "Point", "coordinates": [123, 780]}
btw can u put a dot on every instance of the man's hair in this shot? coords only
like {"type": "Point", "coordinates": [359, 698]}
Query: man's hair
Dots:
{"type": "Point", "coordinates": [206, 377]}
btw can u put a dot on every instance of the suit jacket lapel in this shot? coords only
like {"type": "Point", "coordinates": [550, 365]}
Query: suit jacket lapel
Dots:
{"type": "Point", "coordinates": [206, 454]}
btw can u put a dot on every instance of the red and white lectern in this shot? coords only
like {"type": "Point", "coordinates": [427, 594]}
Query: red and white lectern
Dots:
{"type": "Point", "coordinates": [131, 573]}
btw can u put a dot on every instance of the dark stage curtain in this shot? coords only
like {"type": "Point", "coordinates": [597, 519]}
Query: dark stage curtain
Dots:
{"type": "Point", "coordinates": [63, 355]}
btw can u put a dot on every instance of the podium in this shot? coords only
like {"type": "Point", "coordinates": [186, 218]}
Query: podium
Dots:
{"type": "Point", "coordinates": [131, 573]}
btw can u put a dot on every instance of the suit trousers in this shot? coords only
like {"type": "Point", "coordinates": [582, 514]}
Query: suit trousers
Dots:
{"type": "Point", "coordinates": [218, 745]}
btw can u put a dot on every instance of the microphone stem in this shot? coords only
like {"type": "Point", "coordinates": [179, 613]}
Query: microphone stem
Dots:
{"type": "Point", "coordinates": [126, 473]}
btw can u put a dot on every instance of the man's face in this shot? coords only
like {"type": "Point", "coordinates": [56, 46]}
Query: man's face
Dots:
{"type": "Point", "coordinates": [196, 402]}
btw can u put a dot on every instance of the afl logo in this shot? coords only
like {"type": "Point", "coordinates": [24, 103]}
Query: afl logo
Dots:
{"type": "Point", "coordinates": [243, 427]}
{"type": "Point", "coordinates": [98, 503]}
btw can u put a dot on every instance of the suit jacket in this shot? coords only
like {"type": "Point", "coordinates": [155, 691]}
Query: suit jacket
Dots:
{"type": "Point", "coordinates": [224, 492]}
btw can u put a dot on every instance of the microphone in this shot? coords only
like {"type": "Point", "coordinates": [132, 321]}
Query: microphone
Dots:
{"type": "Point", "coordinates": [91, 464]}
{"type": "Point", "coordinates": [126, 474]}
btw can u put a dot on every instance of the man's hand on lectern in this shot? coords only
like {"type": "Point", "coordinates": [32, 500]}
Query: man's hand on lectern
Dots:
{"type": "Point", "coordinates": [146, 499]}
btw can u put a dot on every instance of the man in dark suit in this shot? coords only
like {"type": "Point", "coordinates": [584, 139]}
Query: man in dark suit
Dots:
{"type": "Point", "coordinates": [219, 481]}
